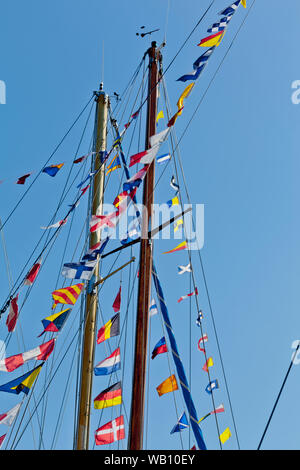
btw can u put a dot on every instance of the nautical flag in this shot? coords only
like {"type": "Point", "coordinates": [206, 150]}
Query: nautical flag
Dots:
{"type": "Point", "coordinates": [159, 348]}
{"type": "Point", "coordinates": [153, 308]}
{"type": "Point", "coordinates": [184, 269]}
{"type": "Point", "coordinates": [173, 202]}
{"type": "Point", "coordinates": [209, 363]}
{"type": "Point", "coordinates": [2, 440]}
{"type": "Point", "coordinates": [13, 313]}
{"type": "Point", "coordinates": [177, 225]}
{"type": "Point", "coordinates": [188, 295]}
{"type": "Point", "coordinates": [173, 184]}
{"type": "Point", "coordinates": [182, 423]}
{"type": "Point", "coordinates": [52, 169]}
{"type": "Point", "coordinates": [145, 157]}
{"type": "Point", "coordinates": [73, 206]}
{"type": "Point", "coordinates": [220, 25]}
{"type": "Point", "coordinates": [225, 435]}
{"type": "Point", "coordinates": [232, 8]}
{"type": "Point", "coordinates": [136, 179]}
{"type": "Point", "coordinates": [117, 142]}
{"type": "Point", "coordinates": [90, 175]}
{"type": "Point", "coordinates": [80, 159]}
{"type": "Point", "coordinates": [203, 417]}
{"type": "Point", "coordinates": [111, 396]}
{"type": "Point", "coordinates": [56, 225]}
{"type": "Point", "coordinates": [8, 417]}
{"type": "Point", "coordinates": [160, 115]}
{"type": "Point", "coordinates": [22, 179]}
{"type": "Point", "coordinates": [199, 318]}
{"type": "Point", "coordinates": [198, 66]}
{"type": "Point", "coordinates": [110, 329]}
{"type": "Point", "coordinates": [55, 322]}
{"type": "Point", "coordinates": [83, 270]}
{"type": "Point", "coordinates": [95, 250]}
{"type": "Point", "coordinates": [174, 117]}
{"type": "Point", "coordinates": [110, 432]}
{"type": "Point", "coordinates": [130, 236]}
{"type": "Point", "coordinates": [109, 365]}
{"type": "Point", "coordinates": [214, 384]}
{"type": "Point", "coordinates": [41, 353]}
{"type": "Point", "coordinates": [158, 139]}
{"type": "Point", "coordinates": [204, 339]}
{"type": "Point", "coordinates": [114, 165]}
{"type": "Point", "coordinates": [183, 96]}
{"type": "Point", "coordinates": [212, 40]}
{"type": "Point", "coordinates": [120, 198]}
{"type": "Point", "coordinates": [30, 278]}
{"type": "Point", "coordinates": [117, 302]}
{"type": "Point", "coordinates": [168, 385]}
{"type": "Point", "coordinates": [23, 383]}
{"type": "Point", "coordinates": [219, 409]}
{"type": "Point", "coordinates": [99, 221]}
{"type": "Point", "coordinates": [181, 246]}
{"type": "Point", "coordinates": [67, 295]}
{"type": "Point", "coordinates": [163, 158]}
{"type": "Point", "coordinates": [83, 190]}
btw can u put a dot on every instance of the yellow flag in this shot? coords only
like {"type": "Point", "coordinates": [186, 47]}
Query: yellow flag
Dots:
{"type": "Point", "coordinates": [160, 115]}
{"type": "Point", "coordinates": [243, 2]}
{"type": "Point", "coordinates": [169, 385]}
{"type": "Point", "coordinates": [181, 246]}
{"type": "Point", "coordinates": [184, 95]}
{"type": "Point", "coordinates": [212, 40]}
{"type": "Point", "coordinates": [225, 435]}
{"type": "Point", "coordinates": [178, 223]}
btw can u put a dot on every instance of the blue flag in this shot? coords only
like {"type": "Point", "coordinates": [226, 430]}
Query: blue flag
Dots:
{"type": "Point", "coordinates": [198, 66]}
{"type": "Point", "coordinates": [182, 423]}
{"type": "Point", "coordinates": [214, 384]}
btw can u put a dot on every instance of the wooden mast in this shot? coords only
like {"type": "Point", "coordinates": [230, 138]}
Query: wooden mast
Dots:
{"type": "Point", "coordinates": [86, 378]}
{"type": "Point", "coordinates": [135, 441]}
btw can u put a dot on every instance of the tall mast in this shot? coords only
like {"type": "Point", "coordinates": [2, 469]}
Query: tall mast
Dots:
{"type": "Point", "coordinates": [141, 340]}
{"type": "Point", "coordinates": [86, 378]}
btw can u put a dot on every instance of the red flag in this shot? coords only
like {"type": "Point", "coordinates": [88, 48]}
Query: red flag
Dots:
{"type": "Point", "coordinates": [117, 303]}
{"type": "Point", "coordinates": [13, 314]}
{"type": "Point", "coordinates": [22, 179]}
{"type": "Point", "coordinates": [80, 159]}
{"type": "Point", "coordinates": [85, 189]}
{"type": "Point", "coordinates": [110, 432]}
{"type": "Point", "coordinates": [2, 439]}
{"type": "Point", "coordinates": [30, 278]}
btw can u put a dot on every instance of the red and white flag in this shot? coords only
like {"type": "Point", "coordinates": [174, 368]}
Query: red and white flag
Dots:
{"type": "Point", "coordinates": [99, 221]}
{"type": "Point", "coordinates": [8, 417]}
{"type": "Point", "coordinates": [204, 339]}
{"type": "Point", "coordinates": [117, 302]}
{"type": "Point", "coordinates": [110, 432]}
{"type": "Point", "coordinates": [41, 353]}
{"type": "Point", "coordinates": [56, 225]}
{"type": "Point", "coordinates": [145, 157]}
{"type": "Point", "coordinates": [30, 278]}
{"type": "Point", "coordinates": [219, 409]}
{"type": "Point", "coordinates": [2, 439]}
{"type": "Point", "coordinates": [188, 295]}
{"type": "Point", "coordinates": [13, 314]}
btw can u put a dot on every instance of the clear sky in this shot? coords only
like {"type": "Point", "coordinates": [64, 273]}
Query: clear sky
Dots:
{"type": "Point", "coordinates": [241, 160]}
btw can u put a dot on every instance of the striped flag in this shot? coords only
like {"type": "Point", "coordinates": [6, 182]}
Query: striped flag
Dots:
{"type": "Point", "coordinates": [163, 158]}
{"type": "Point", "coordinates": [159, 348]}
{"type": "Point", "coordinates": [110, 329]}
{"type": "Point", "coordinates": [153, 308]}
{"type": "Point", "coordinates": [109, 365]}
{"type": "Point", "coordinates": [111, 396]}
{"type": "Point", "coordinates": [181, 246]}
{"type": "Point", "coordinates": [41, 353]}
{"type": "Point", "coordinates": [219, 409]}
{"type": "Point", "coordinates": [67, 295]}
{"type": "Point", "coordinates": [13, 313]}
{"type": "Point", "coordinates": [212, 40]}
{"type": "Point", "coordinates": [209, 363]}
{"type": "Point", "coordinates": [110, 432]}
{"type": "Point", "coordinates": [8, 417]}
{"type": "Point", "coordinates": [145, 157]}
{"type": "Point", "coordinates": [188, 295]}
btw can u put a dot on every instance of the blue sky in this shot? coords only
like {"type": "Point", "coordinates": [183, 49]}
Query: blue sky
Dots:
{"type": "Point", "coordinates": [240, 158]}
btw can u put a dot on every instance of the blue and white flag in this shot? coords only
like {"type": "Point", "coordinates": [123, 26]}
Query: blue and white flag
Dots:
{"type": "Point", "coordinates": [83, 270]}
{"type": "Point", "coordinates": [214, 384]}
{"type": "Point", "coordinates": [163, 158]}
{"type": "Point", "coordinates": [198, 66]}
{"type": "Point", "coordinates": [199, 318]}
{"type": "Point", "coordinates": [231, 9]}
{"type": "Point", "coordinates": [95, 250]}
{"type": "Point", "coordinates": [184, 269]}
{"type": "Point", "coordinates": [220, 25]}
{"type": "Point", "coordinates": [111, 364]}
{"type": "Point", "coordinates": [173, 184]}
{"type": "Point", "coordinates": [182, 423]}
{"type": "Point", "coordinates": [86, 179]}
{"type": "Point", "coordinates": [153, 308]}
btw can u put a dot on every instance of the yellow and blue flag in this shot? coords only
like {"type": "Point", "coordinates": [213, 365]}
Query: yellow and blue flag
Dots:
{"type": "Point", "coordinates": [23, 383]}
{"type": "Point", "coordinates": [52, 169]}
{"type": "Point", "coordinates": [114, 164]}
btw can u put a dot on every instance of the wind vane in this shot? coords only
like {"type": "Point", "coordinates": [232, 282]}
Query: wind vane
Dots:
{"type": "Point", "coordinates": [148, 32]}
